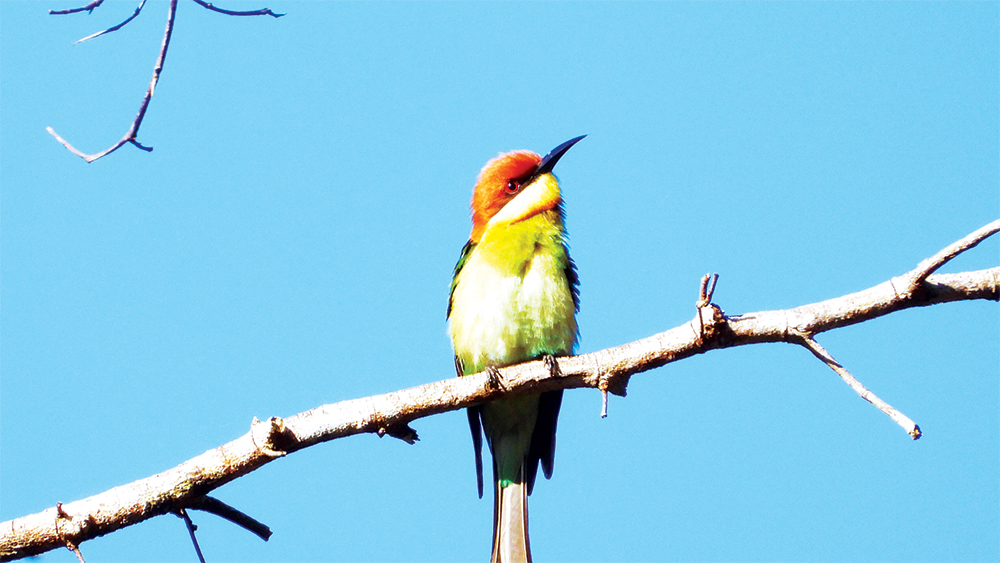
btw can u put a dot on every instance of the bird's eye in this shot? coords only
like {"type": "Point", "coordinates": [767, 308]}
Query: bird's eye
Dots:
{"type": "Point", "coordinates": [513, 186]}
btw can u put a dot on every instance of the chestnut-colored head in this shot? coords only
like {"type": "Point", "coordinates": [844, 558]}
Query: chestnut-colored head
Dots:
{"type": "Point", "coordinates": [499, 182]}
{"type": "Point", "coordinates": [519, 179]}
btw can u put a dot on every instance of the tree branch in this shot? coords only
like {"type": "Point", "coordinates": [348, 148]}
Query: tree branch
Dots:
{"type": "Point", "coordinates": [187, 485]}
{"type": "Point", "coordinates": [931, 265]}
{"type": "Point", "coordinates": [133, 130]}
{"type": "Point", "coordinates": [89, 8]}
{"type": "Point", "coordinates": [191, 528]}
{"type": "Point", "coordinates": [901, 419]}
{"type": "Point", "coordinates": [116, 27]}
{"type": "Point", "coordinates": [260, 12]}
{"type": "Point", "coordinates": [215, 506]}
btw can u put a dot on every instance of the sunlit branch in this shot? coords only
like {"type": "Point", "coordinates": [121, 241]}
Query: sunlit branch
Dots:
{"type": "Point", "coordinates": [186, 485]}
{"type": "Point", "coordinates": [901, 419]}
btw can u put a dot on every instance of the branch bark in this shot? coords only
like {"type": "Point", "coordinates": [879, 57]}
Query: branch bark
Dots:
{"type": "Point", "coordinates": [187, 485]}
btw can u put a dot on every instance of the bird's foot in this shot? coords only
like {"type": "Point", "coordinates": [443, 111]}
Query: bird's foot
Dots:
{"type": "Point", "coordinates": [552, 364]}
{"type": "Point", "coordinates": [493, 380]}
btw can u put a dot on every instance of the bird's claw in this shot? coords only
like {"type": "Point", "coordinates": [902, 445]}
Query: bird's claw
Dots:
{"type": "Point", "coordinates": [552, 364]}
{"type": "Point", "coordinates": [493, 379]}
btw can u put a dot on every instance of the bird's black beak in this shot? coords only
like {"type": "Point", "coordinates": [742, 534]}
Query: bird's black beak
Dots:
{"type": "Point", "coordinates": [550, 160]}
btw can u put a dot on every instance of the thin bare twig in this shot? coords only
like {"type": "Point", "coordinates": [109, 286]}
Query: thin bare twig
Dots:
{"type": "Point", "coordinates": [88, 8]}
{"type": "Point", "coordinates": [191, 528]}
{"type": "Point", "coordinates": [707, 290]}
{"type": "Point", "coordinates": [705, 293]}
{"type": "Point", "coordinates": [134, 129]}
{"type": "Point", "coordinates": [116, 27]}
{"type": "Point", "coordinates": [901, 419]}
{"type": "Point", "coordinates": [261, 12]}
{"type": "Point", "coordinates": [223, 510]}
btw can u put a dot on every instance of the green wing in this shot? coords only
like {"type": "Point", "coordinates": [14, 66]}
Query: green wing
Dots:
{"type": "Point", "coordinates": [466, 252]}
{"type": "Point", "coordinates": [473, 412]}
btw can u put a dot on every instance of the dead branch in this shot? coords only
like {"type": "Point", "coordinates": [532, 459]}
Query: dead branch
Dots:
{"type": "Point", "coordinates": [215, 506]}
{"type": "Point", "coordinates": [261, 12]}
{"type": "Point", "coordinates": [931, 265]}
{"type": "Point", "coordinates": [187, 485]}
{"type": "Point", "coordinates": [133, 130]}
{"type": "Point", "coordinates": [191, 528]}
{"type": "Point", "coordinates": [114, 27]}
{"type": "Point", "coordinates": [89, 8]}
{"type": "Point", "coordinates": [901, 419]}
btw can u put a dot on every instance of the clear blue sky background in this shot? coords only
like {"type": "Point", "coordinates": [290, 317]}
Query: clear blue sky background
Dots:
{"type": "Point", "coordinates": [290, 242]}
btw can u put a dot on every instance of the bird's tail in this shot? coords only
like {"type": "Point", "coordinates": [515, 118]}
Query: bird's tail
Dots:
{"type": "Point", "coordinates": [510, 523]}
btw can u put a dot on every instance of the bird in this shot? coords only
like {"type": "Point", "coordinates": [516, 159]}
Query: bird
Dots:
{"type": "Point", "coordinates": [514, 298]}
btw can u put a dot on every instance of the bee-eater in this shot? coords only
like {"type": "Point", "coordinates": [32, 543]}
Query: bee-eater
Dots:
{"type": "Point", "coordinates": [514, 298]}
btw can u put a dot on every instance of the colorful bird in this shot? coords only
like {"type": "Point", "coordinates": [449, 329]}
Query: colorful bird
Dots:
{"type": "Point", "coordinates": [514, 298]}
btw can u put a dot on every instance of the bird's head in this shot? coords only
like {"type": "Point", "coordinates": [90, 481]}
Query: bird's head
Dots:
{"type": "Point", "coordinates": [515, 186]}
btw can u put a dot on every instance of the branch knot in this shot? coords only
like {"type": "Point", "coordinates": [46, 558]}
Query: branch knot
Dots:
{"type": "Point", "coordinates": [266, 436]}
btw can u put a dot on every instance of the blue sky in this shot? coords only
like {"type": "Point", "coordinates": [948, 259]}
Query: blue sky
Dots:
{"type": "Point", "coordinates": [290, 242]}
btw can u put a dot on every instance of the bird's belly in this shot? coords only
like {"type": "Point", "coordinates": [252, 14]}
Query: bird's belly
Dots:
{"type": "Point", "coordinates": [500, 318]}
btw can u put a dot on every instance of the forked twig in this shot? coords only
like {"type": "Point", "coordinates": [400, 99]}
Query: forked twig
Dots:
{"type": "Point", "coordinates": [912, 281]}
{"type": "Point", "coordinates": [930, 265]}
{"type": "Point", "coordinates": [133, 131]}
{"type": "Point", "coordinates": [707, 289]}
{"type": "Point", "coordinates": [705, 294]}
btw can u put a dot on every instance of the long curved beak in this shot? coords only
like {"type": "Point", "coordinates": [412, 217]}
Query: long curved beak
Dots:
{"type": "Point", "coordinates": [550, 160]}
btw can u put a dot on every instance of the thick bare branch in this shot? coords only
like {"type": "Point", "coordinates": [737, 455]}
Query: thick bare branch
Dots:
{"type": "Point", "coordinates": [187, 484]}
